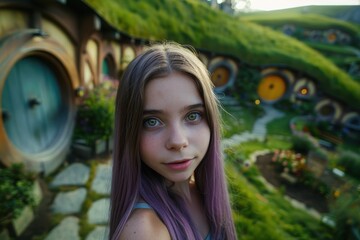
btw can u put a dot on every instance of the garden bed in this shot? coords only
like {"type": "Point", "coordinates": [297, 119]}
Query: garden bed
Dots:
{"type": "Point", "coordinates": [300, 192]}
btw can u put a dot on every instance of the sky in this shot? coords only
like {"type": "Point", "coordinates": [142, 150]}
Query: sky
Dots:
{"type": "Point", "coordinates": [281, 4]}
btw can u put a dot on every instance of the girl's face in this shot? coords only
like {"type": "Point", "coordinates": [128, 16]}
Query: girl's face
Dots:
{"type": "Point", "coordinates": [175, 134]}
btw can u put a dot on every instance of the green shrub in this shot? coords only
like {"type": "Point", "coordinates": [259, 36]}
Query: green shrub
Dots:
{"type": "Point", "coordinates": [15, 191]}
{"type": "Point", "coordinates": [351, 163]}
{"type": "Point", "coordinates": [346, 213]}
{"type": "Point", "coordinates": [284, 104]}
{"type": "Point", "coordinates": [95, 117]}
{"type": "Point", "coordinates": [302, 143]}
{"type": "Point", "coordinates": [246, 84]}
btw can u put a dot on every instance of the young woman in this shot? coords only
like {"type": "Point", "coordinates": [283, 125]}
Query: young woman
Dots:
{"type": "Point", "coordinates": [168, 178]}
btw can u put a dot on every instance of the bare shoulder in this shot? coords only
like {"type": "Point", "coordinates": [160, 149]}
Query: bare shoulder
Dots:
{"type": "Point", "coordinates": [144, 224]}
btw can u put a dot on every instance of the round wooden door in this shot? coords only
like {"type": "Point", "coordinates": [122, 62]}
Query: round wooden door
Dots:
{"type": "Point", "coordinates": [271, 88]}
{"type": "Point", "coordinates": [220, 76]}
{"type": "Point", "coordinates": [33, 109]}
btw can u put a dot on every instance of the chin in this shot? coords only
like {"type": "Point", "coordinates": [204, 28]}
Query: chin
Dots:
{"type": "Point", "coordinates": [179, 179]}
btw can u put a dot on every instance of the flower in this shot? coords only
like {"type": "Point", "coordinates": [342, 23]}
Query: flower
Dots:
{"type": "Point", "coordinates": [289, 161]}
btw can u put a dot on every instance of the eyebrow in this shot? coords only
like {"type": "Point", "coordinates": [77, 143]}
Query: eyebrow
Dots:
{"type": "Point", "coordinates": [187, 108]}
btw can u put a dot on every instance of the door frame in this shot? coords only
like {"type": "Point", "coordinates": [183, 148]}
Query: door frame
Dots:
{"type": "Point", "coordinates": [32, 42]}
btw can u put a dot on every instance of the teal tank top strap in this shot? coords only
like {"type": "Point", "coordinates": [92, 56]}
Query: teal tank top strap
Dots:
{"type": "Point", "coordinates": [141, 205]}
{"type": "Point", "coordinates": [208, 237]}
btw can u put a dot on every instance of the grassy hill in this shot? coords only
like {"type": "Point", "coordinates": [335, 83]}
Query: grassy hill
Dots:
{"type": "Point", "coordinates": [336, 11]}
{"type": "Point", "coordinates": [193, 22]}
{"type": "Point", "coordinates": [306, 20]}
{"type": "Point", "coordinates": [343, 55]}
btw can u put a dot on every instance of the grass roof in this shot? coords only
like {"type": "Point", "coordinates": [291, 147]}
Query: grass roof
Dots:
{"type": "Point", "coordinates": [194, 22]}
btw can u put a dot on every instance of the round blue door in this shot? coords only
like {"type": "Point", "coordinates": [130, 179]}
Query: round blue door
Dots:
{"type": "Point", "coordinates": [33, 108]}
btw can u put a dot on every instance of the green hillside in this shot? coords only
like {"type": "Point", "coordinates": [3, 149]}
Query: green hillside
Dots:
{"type": "Point", "coordinates": [193, 22]}
{"type": "Point", "coordinates": [343, 55]}
{"type": "Point", "coordinates": [308, 20]}
{"type": "Point", "coordinates": [336, 11]}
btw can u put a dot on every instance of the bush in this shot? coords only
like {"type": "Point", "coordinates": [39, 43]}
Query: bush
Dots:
{"type": "Point", "coordinates": [303, 143]}
{"type": "Point", "coordinates": [284, 104]}
{"type": "Point", "coordinates": [346, 213]}
{"type": "Point", "coordinates": [245, 86]}
{"type": "Point", "coordinates": [15, 192]}
{"type": "Point", "coordinates": [95, 117]}
{"type": "Point", "coordinates": [351, 163]}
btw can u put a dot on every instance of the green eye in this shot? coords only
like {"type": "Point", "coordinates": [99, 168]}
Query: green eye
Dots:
{"type": "Point", "coordinates": [194, 116]}
{"type": "Point", "coordinates": [151, 122]}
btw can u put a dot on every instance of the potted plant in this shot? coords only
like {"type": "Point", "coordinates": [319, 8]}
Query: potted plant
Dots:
{"type": "Point", "coordinates": [95, 120]}
{"type": "Point", "coordinates": [16, 199]}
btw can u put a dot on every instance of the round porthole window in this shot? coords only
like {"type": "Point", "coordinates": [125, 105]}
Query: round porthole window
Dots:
{"type": "Point", "coordinates": [272, 87]}
{"type": "Point", "coordinates": [222, 73]}
{"type": "Point", "coordinates": [220, 76]}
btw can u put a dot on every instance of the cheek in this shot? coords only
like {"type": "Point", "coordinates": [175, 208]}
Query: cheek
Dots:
{"type": "Point", "coordinates": [208, 135]}
{"type": "Point", "coordinates": [147, 146]}
{"type": "Point", "coordinates": [203, 138]}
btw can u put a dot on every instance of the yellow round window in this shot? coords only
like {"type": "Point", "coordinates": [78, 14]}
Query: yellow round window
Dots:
{"type": "Point", "coordinates": [271, 88]}
{"type": "Point", "coordinates": [220, 76]}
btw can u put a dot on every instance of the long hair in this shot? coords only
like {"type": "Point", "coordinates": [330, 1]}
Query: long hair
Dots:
{"type": "Point", "coordinates": [132, 179]}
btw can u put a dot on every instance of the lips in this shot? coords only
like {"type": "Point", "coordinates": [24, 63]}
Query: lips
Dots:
{"type": "Point", "coordinates": [179, 165]}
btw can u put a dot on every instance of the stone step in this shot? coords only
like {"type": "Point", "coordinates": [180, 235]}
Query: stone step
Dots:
{"type": "Point", "coordinates": [69, 202]}
{"type": "Point", "coordinates": [99, 233]}
{"type": "Point", "coordinates": [67, 229]}
{"type": "Point", "coordinates": [99, 212]}
{"type": "Point", "coordinates": [77, 174]}
{"type": "Point", "coordinates": [102, 182]}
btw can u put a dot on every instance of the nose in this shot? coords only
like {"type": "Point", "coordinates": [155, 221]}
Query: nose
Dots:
{"type": "Point", "coordinates": [177, 138]}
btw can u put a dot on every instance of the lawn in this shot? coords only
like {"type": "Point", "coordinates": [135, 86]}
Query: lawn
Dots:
{"type": "Point", "coordinates": [237, 120]}
{"type": "Point", "coordinates": [261, 212]}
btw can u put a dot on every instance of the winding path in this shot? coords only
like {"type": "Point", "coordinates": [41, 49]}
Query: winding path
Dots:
{"type": "Point", "coordinates": [259, 130]}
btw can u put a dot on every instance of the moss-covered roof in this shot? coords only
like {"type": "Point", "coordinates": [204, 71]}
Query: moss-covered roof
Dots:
{"type": "Point", "coordinates": [193, 22]}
